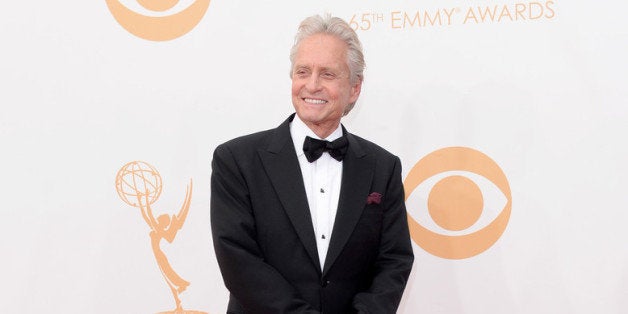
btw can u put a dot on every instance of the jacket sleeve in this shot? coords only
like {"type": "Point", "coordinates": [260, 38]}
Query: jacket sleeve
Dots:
{"type": "Point", "coordinates": [257, 286]}
{"type": "Point", "coordinates": [394, 258]}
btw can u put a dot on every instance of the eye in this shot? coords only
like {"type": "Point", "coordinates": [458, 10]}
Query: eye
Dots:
{"type": "Point", "coordinates": [301, 73]}
{"type": "Point", "coordinates": [458, 201]}
{"type": "Point", "coordinates": [328, 75]}
{"type": "Point", "coordinates": [455, 203]}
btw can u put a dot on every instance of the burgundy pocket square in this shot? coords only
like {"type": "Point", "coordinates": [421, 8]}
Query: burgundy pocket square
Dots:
{"type": "Point", "coordinates": [374, 198]}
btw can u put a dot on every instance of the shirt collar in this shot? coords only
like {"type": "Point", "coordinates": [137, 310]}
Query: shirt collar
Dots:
{"type": "Point", "coordinates": [299, 130]}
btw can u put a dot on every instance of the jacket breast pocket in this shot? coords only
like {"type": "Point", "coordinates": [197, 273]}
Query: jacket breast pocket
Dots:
{"type": "Point", "coordinates": [369, 227]}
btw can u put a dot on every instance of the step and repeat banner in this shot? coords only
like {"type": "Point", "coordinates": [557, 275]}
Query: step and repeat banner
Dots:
{"type": "Point", "coordinates": [510, 118]}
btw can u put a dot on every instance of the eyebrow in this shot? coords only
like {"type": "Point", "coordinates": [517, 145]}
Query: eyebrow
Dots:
{"type": "Point", "coordinates": [307, 67]}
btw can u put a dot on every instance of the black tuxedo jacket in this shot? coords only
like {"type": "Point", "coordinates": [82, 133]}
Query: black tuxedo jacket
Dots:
{"type": "Point", "coordinates": [264, 238]}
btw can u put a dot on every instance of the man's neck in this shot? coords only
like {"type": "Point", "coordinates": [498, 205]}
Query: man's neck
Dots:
{"type": "Point", "coordinates": [323, 130]}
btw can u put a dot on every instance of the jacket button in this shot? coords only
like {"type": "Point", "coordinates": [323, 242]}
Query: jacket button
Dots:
{"type": "Point", "coordinates": [325, 283]}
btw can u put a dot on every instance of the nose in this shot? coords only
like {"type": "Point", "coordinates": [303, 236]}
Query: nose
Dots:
{"type": "Point", "coordinates": [313, 82]}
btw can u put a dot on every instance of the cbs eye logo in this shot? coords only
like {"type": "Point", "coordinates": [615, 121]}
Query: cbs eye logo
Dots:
{"type": "Point", "coordinates": [460, 223]}
{"type": "Point", "coordinates": [158, 28]}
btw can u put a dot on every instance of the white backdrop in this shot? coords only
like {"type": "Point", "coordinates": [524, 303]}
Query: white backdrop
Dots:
{"type": "Point", "coordinates": [539, 89]}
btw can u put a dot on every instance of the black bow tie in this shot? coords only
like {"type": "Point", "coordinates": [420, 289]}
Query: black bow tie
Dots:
{"type": "Point", "coordinates": [314, 148]}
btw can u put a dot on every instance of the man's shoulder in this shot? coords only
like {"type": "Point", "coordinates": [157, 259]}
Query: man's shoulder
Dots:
{"type": "Point", "coordinates": [370, 147]}
{"type": "Point", "coordinates": [247, 142]}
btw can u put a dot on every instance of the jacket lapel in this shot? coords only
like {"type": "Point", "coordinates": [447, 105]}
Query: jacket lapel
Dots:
{"type": "Point", "coordinates": [282, 166]}
{"type": "Point", "coordinates": [357, 175]}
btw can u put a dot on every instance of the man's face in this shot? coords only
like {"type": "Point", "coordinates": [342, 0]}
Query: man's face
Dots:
{"type": "Point", "coordinates": [321, 87]}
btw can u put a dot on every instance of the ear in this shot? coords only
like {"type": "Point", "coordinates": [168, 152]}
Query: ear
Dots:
{"type": "Point", "coordinates": [355, 91]}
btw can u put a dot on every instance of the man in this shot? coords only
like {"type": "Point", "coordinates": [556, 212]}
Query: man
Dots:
{"type": "Point", "coordinates": [301, 226]}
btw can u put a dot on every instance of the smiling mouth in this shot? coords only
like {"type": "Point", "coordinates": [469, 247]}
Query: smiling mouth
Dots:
{"type": "Point", "coordinates": [314, 101]}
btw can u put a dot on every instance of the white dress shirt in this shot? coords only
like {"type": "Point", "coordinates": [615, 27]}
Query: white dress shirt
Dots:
{"type": "Point", "coordinates": [322, 184]}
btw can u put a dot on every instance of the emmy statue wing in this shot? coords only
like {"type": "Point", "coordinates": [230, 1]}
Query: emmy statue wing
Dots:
{"type": "Point", "coordinates": [179, 219]}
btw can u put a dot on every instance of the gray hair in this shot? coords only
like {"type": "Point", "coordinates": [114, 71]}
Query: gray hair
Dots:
{"type": "Point", "coordinates": [335, 26]}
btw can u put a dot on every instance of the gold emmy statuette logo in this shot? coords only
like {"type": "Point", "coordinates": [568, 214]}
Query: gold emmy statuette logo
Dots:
{"type": "Point", "coordinates": [455, 203]}
{"type": "Point", "coordinates": [158, 28]}
{"type": "Point", "coordinates": [139, 185]}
